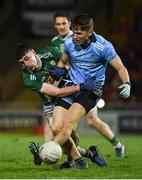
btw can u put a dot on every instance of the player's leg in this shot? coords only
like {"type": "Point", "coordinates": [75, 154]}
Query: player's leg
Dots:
{"type": "Point", "coordinates": [93, 154]}
{"type": "Point", "coordinates": [59, 119]}
{"type": "Point", "coordinates": [71, 117]}
{"type": "Point", "coordinates": [83, 103]}
{"type": "Point", "coordinates": [94, 121]}
{"type": "Point", "coordinates": [48, 135]}
{"type": "Point", "coordinates": [48, 113]}
{"type": "Point", "coordinates": [69, 161]}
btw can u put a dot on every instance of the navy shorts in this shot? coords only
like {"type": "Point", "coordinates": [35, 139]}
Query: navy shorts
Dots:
{"type": "Point", "coordinates": [88, 99]}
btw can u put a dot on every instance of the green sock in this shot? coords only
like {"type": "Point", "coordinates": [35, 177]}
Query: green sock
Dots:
{"type": "Point", "coordinates": [114, 141]}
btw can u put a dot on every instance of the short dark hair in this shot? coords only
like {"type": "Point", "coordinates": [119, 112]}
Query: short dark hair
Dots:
{"type": "Point", "coordinates": [21, 50]}
{"type": "Point", "coordinates": [83, 21]}
{"type": "Point", "coordinates": [62, 14]}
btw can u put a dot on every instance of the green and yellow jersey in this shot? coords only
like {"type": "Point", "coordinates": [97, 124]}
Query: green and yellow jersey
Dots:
{"type": "Point", "coordinates": [33, 80]}
{"type": "Point", "coordinates": [58, 41]}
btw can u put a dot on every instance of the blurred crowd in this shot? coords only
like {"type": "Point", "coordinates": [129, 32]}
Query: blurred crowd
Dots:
{"type": "Point", "coordinates": [127, 37]}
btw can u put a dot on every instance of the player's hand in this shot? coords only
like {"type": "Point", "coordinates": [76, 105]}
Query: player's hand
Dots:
{"type": "Point", "coordinates": [57, 72]}
{"type": "Point", "coordinates": [90, 85]}
{"type": "Point", "coordinates": [124, 90]}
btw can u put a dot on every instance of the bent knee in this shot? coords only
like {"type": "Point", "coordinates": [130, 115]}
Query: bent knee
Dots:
{"type": "Point", "coordinates": [92, 120]}
{"type": "Point", "coordinates": [55, 129]}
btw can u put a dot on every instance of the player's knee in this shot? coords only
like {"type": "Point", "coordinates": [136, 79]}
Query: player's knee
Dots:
{"type": "Point", "coordinates": [55, 129]}
{"type": "Point", "coordinates": [66, 130]}
{"type": "Point", "coordinates": [92, 121]}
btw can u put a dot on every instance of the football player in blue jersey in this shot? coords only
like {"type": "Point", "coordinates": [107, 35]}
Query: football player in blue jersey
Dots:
{"type": "Point", "coordinates": [89, 54]}
{"type": "Point", "coordinates": [62, 23]}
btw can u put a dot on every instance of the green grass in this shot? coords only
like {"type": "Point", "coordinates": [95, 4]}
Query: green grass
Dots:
{"type": "Point", "coordinates": [16, 161]}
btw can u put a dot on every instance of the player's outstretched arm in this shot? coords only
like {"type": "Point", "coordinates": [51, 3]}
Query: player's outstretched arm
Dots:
{"type": "Point", "coordinates": [52, 90]}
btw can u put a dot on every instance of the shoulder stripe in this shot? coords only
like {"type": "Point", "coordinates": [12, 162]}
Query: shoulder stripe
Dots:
{"type": "Point", "coordinates": [68, 40]}
{"type": "Point", "coordinates": [98, 46]}
{"type": "Point", "coordinates": [54, 38]}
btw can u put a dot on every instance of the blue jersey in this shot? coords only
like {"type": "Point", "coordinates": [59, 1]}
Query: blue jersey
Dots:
{"type": "Point", "coordinates": [90, 61]}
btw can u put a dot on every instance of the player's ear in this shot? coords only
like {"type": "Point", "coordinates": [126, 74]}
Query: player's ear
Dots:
{"type": "Point", "coordinates": [90, 33]}
{"type": "Point", "coordinates": [33, 51]}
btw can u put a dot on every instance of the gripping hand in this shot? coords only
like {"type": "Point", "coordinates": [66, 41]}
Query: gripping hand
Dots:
{"type": "Point", "coordinates": [90, 85]}
{"type": "Point", "coordinates": [124, 90]}
{"type": "Point", "coordinates": [57, 72]}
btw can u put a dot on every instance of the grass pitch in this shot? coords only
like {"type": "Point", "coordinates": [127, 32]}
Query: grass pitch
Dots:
{"type": "Point", "coordinates": [16, 160]}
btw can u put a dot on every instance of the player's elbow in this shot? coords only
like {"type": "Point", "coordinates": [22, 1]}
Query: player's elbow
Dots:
{"type": "Point", "coordinates": [50, 90]}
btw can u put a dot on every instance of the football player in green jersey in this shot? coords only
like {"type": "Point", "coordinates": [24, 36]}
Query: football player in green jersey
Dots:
{"type": "Point", "coordinates": [36, 77]}
{"type": "Point", "coordinates": [62, 24]}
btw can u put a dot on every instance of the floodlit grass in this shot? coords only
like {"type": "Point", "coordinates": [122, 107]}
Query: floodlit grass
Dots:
{"type": "Point", "coordinates": [16, 161]}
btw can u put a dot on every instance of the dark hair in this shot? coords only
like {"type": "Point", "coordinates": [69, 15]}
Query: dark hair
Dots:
{"type": "Point", "coordinates": [62, 14]}
{"type": "Point", "coordinates": [21, 50]}
{"type": "Point", "coordinates": [83, 21]}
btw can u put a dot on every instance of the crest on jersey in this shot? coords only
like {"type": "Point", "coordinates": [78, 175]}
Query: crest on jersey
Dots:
{"type": "Point", "coordinates": [52, 63]}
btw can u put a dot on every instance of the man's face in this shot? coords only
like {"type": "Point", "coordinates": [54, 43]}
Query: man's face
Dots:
{"type": "Point", "coordinates": [81, 37]}
{"type": "Point", "coordinates": [29, 60]}
{"type": "Point", "coordinates": [62, 25]}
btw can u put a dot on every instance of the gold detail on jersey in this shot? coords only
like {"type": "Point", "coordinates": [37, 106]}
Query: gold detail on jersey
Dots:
{"type": "Point", "coordinates": [52, 63]}
{"type": "Point", "coordinates": [50, 79]}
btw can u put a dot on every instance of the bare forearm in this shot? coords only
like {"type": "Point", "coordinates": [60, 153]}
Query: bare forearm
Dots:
{"type": "Point", "coordinates": [67, 90]}
{"type": "Point", "coordinates": [55, 91]}
{"type": "Point", "coordinates": [117, 64]}
{"type": "Point", "coordinates": [123, 74]}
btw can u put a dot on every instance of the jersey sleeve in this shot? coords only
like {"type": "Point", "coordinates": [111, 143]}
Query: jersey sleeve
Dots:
{"type": "Point", "coordinates": [109, 52]}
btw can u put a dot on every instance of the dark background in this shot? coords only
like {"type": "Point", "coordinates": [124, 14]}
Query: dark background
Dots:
{"type": "Point", "coordinates": [31, 21]}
